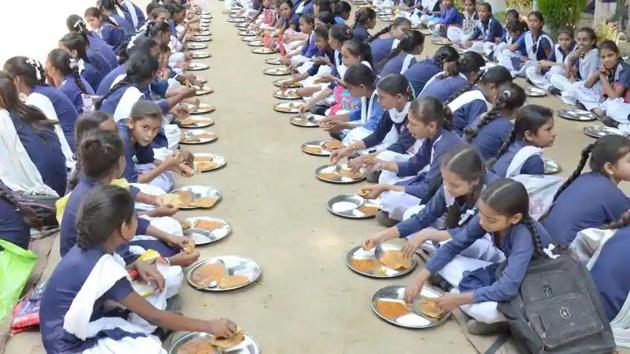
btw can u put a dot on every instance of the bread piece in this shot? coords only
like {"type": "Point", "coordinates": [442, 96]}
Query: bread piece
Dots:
{"type": "Point", "coordinates": [364, 265]}
{"type": "Point", "coordinates": [369, 210]}
{"type": "Point", "coordinates": [229, 343]}
{"type": "Point", "coordinates": [233, 281]}
{"type": "Point", "coordinates": [430, 308]}
{"type": "Point", "coordinates": [185, 224]}
{"type": "Point", "coordinates": [185, 197]}
{"type": "Point", "coordinates": [188, 121]}
{"type": "Point", "coordinates": [395, 260]}
{"type": "Point", "coordinates": [346, 172]}
{"type": "Point", "coordinates": [209, 225]}
{"type": "Point", "coordinates": [333, 144]}
{"type": "Point", "coordinates": [311, 149]}
{"type": "Point", "coordinates": [189, 248]}
{"type": "Point", "coordinates": [205, 165]}
{"type": "Point", "coordinates": [205, 202]}
{"type": "Point", "coordinates": [392, 309]}
{"type": "Point", "coordinates": [200, 158]}
{"type": "Point", "coordinates": [208, 273]}
{"type": "Point", "coordinates": [331, 176]}
{"type": "Point", "coordinates": [200, 345]}
{"type": "Point", "coordinates": [363, 193]}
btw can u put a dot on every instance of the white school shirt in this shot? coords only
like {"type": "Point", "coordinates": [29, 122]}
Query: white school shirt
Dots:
{"type": "Point", "coordinates": [529, 44]}
{"type": "Point", "coordinates": [132, 11]}
{"type": "Point", "coordinates": [129, 98]}
{"type": "Point", "coordinates": [366, 107]}
{"type": "Point", "coordinates": [588, 65]}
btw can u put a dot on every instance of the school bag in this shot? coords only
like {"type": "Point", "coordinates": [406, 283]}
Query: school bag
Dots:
{"type": "Point", "coordinates": [557, 310]}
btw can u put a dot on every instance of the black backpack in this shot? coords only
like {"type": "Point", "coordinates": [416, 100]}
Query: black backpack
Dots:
{"type": "Point", "coordinates": [558, 310]}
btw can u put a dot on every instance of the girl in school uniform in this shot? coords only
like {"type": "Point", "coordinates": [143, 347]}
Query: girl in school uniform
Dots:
{"type": "Point", "coordinates": [473, 100]}
{"type": "Point", "coordinates": [386, 40]}
{"type": "Point", "coordinates": [102, 160]}
{"type": "Point", "coordinates": [521, 153]}
{"type": "Point", "coordinates": [537, 44]}
{"type": "Point", "coordinates": [62, 71]}
{"type": "Point", "coordinates": [268, 19]}
{"type": "Point", "coordinates": [579, 65]}
{"type": "Point", "coordinates": [490, 130]}
{"type": "Point", "coordinates": [470, 21]}
{"type": "Point", "coordinates": [594, 198]}
{"type": "Point", "coordinates": [391, 141]}
{"type": "Point", "coordinates": [404, 56]}
{"type": "Point", "coordinates": [132, 12]}
{"type": "Point", "coordinates": [28, 76]}
{"type": "Point", "coordinates": [456, 76]}
{"type": "Point", "coordinates": [301, 49]}
{"type": "Point", "coordinates": [488, 30]}
{"type": "Point", "coordinates": [147, 46]}
{"type": "Point", "coordinates": [342, 11]}
{"type": "Point", "coordinates": [364, 20]}
{"type": "Point", "coordinates": [541, 75]}
{"type": "Point", "coordinates": [449, 16]}
{"type": "Point", "coordinates": [76, 24]}
{"type": "Point", "coordinates": [288, 19]}
{"type": "Point", "coordinates": [108, 9]}
{"type": "Point", "coordinates": [73, 316]}
{"type": "Point", "coordinates": [421, 72]}
{"type": "Point", "coordinates": [606, 93]}
{"type": "Point", "coordinates": [514, 30]}
{"type": "Point", "coordinates": [92, 67]}
{"type": "Point", "coordinates": [504, 214]}
{"type": "Point", "coordinates": [429, 12]}
{"type": "Point", "coordinates": [139, 133]}
{"type": "Point", "coordinates": [464, 177]}
{"type": "Point", "coordinates": [33, 143]}
{"type": "Point", "coordinates": [405, 184]}
{"type": "Point", "coordinates": [104, 27]}
{"type": "Point", "coordinates": [351, 127]}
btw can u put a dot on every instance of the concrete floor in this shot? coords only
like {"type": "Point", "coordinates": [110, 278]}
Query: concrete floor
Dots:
{"type": "Point", "coordinates": [307, 300]}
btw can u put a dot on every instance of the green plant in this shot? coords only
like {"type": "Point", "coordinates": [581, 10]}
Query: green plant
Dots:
{"type": "Point", "coordinates": [559, 13]}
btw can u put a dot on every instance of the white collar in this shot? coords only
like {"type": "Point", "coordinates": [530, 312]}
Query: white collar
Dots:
{"type": "Point", "coordinates": [398, 117]}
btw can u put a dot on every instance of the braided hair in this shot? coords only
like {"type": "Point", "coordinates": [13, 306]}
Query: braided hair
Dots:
{"type": "Point", "coordinates": [607, 149]}
{"type": "Point", "coordinates": [469, 64]}
{"type": "Point", "coordinates": [141, 68]}
{"type": "Point", "coordinates": [528, 119]}
{"type": "Point", "coordinates": [30, 71]}
{"type": "Point", "coordinates": [511, 97]}
{"type": "Point", "coordinates": [10, 100]}
{"type": "Point", "coordinates": [446, 54]}
{"type": "Point", "coordinates": [362, 16]}
{"type": "Point", "coordinates": [76, 24]}
{"type": "Point", "coordinates": [509, 198]}
{"type": "Point", "coordinates": [428, 109]}
{"type": "Point", "coordinates": [100, 153]}
{"type": "Point", "coordinates": [400, 22]}
{"type": "Point", "coordinates": [75, 41]}
{"type": "Point", "coordinates": [408, 43]}
{"type": "Point", "coordinates": [466, 163]}
{"type": "Point", "coordinates": [105, 210]}
{"type": "Point", "coordinates": [63, 61]}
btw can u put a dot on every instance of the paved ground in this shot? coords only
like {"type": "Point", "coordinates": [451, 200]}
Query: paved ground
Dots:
{"type": "Point", "coordinates": [307, 300]}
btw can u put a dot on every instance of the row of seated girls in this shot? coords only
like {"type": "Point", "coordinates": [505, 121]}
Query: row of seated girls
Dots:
{"type": "Point", "coordinates": [88, 130]}
{"type": "Point", "coordinates": [448, 139]}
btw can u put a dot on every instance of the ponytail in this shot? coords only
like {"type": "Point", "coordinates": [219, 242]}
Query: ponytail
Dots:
{"type": "Point", "coordinates": [539, 249]}
{"type": "Point", "coordinates": [511, 97]}
{"type": "Point", "coordinates": [362, 16]}
{"type": "Point", "coordinates": [76, 24]}
{"type": "Point", "coordinates": [67, 65]}
{"type": "Point", "coordinates": [410, 41]}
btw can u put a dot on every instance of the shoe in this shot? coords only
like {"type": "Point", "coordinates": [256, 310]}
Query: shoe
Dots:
{"type": "Point", "coordinates": [609, 122]}
{"type": "Point", "coordinates": [479, 328]}
{"type": "Point", "coordinates": [580, 106]}
{"type": "Point", "coordinates": [437, 280]}
{"type": "Point", "coordinates": [555, 91]}
{"type": "Point", "coordinates": [383, 218]}
{"type": "Point", "coordinates": [372, 177]}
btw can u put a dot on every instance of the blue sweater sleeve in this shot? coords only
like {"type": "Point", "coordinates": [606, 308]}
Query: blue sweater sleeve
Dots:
{"type": "Point", "coordinates": [421, 188]}
{"type": "Point", "coordinates": [383, 127]}
{"type": "Point", "coordinates": [143, 224]}
{"type": "Point", "coordinates": [463, 116]}
{"type": "Point", "coordinates": [415, 163]}
{"type": "Point", "coordinates": [404, 142]}
{"type": "Point", "coordinates": [459, 242]}
{"type": "Point", "coordinates": [533, 166]}
{"type": "Point", "coordinates": [434, 209]}
{"type": "Point", "coordinates": [375, 117]}
{"type": "Point", "coordinates": [508, 283]}
{"type": "Point", "coordinates": [496, 31]}
{"type": "Point", "coordinates": [355, 114]}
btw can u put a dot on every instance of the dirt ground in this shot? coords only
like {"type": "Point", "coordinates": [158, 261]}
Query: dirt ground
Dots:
{"type": "Point", "coordinates": [307, 300]}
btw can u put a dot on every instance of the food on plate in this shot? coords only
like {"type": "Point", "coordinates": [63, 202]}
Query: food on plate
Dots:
{"type": "Point", "coordinates": [392, 309]}
{"type": "Point", "coordinates": [430, 308]}
{"type": "Point", "coordinates": [395, 260]}
{"type": "Point", "coordinates": [364, 265]}
{"type": "Point", "coordinates": [208, 273]}
{"type": "Point", "coordinates": [209, 225]}
{"type": "Point", "coordinates": [199, 345]}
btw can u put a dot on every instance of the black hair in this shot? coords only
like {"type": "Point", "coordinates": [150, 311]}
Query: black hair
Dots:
{"type": "Point", "coordinates": [341, 32]}
{"type": "Point", "coordinates": [359, 74]}
{"type": "Point", "coordinates": [398, 22]}
{"type": "Point", "coordinates": [140, 68]}
{"type": "Point", "coordinates": [342, 7]}
{"type": "Point", "coordinates": [94, 12]}
{"type": "Point", "coordinates": [395, 84]}
{"type": "Point", "coordinates": [607, 149]}
{"type": "Point", "coordinates": [529, 118]}
{"type": "Point", "coordinates": [63, 61]}
{"type": "Point", "coordinates": [359, 49]}
{"type": "Point", "coordinates": [10, 100]}
{"type": "Point", "coordinates": [324, 5]}
{"type": "Point", "coordinates": [100, 152]}
{"type": "Point", "coordinates": [75, 41]}
{"type": "Point", "coordinates": [445, 54]}
{"type": "Point", "coordinates": [155, 12]}
{"type": "Point", "coordinates": [174, 8]}
{"type": "Point", "coordinates": [155, 28]}
{"type": "Point", "coordinates": [428, 109]}
{"type": "Point", "coordinates": [326, 17]}
{"type": "Point", "coordinates": [28, 214]}
{"type": "Point", "coordinates": [76, 24]}
{"type": "Point", "coordinates": [469, 63]}
{"type": "Point", "coordinates": [30, 71]}
{"type": "Point", "coordinates": [622, 222]}
{"type": "Point", "coordinates": [151, 6]}
{"type": "Point", "coordinates": [591, 33]}
{"type": "Point", "coordinates": [511, 96]}
{"type": "Point", "coordinates": [109, 5]}
{"type": "Point", "coordinates": [464, 161]}
{"type": "Point", "coordinates": [141, 44]}
{"type": "Point", "coordinates": [321, 31]}
{"type": "Point", "coordinates": [143, 109]}
{"type": "Point", "coordinates": [363, 15]}
{"type": "Point", "coordinates": [538, 15]}
{"type": "Point", "coordinates": [487, 6]}
{"type": "Point", "coordinates": [104, 211]}
{"type": "Point", "coordinates": [409, 41]}
{"type": "Point", "coordinates": [516, 25]}
{"type": "Point", "coordinates": [308, 18]}
{"type": "Point", "coordinates": [513, 12]}
{"type": "Point", "coordinates": [566, 30]}
{"type": "Point", "coordinates": [288, 2]}
{"type": "Point", "coordinates": [609, 45]}
{"type": "Point", "coordinates": [473, 1]}
{"type": "Point", "coordinates": [509, 197]}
